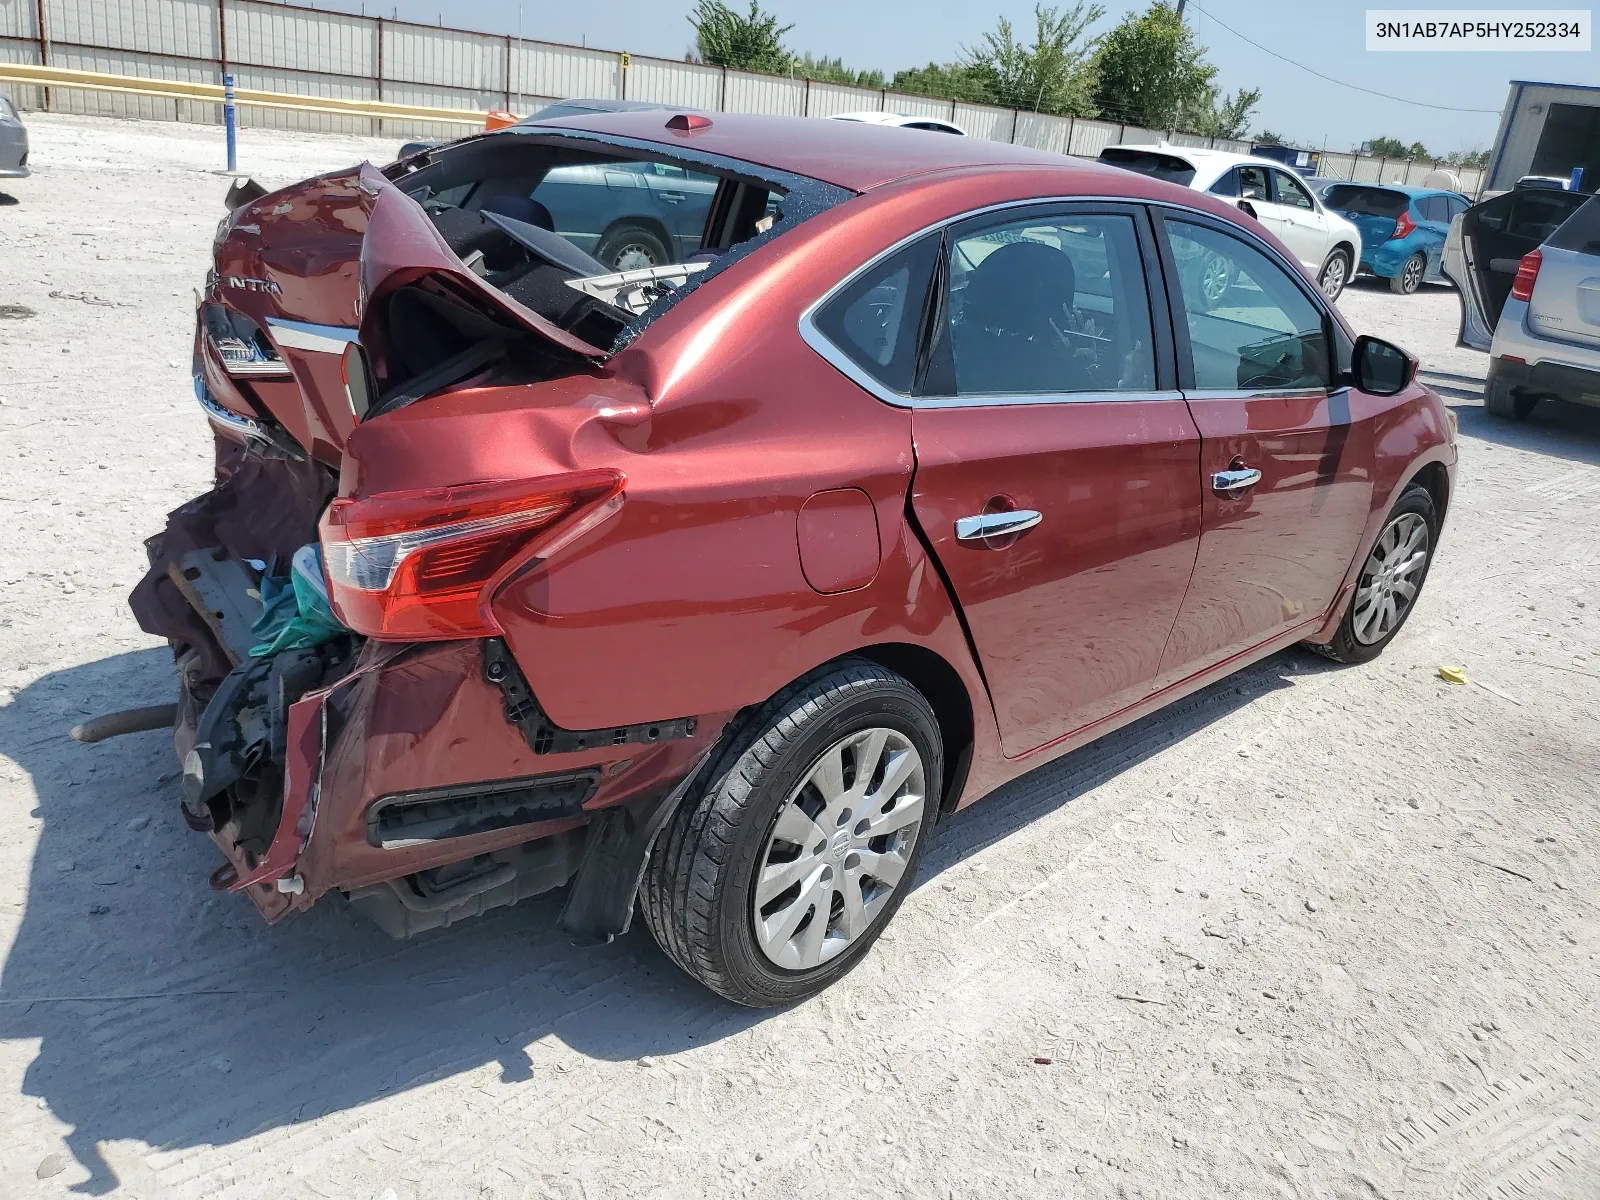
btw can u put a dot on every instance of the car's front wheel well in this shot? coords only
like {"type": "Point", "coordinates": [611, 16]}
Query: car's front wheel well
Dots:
{"type": "Point", "coordinates": [1348, 251]}
{"type": "Point", "coordinates": [1436, 480]}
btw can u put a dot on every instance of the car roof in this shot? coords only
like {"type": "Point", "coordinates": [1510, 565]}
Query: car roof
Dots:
{"type": "Point", "coordinates": [849, 154]}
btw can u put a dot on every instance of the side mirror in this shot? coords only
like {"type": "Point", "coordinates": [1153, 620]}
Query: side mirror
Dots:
{"type": "Point", "coordinates": [1247, 208]}
{"type": "Point", "coordinates": [1381, 368]}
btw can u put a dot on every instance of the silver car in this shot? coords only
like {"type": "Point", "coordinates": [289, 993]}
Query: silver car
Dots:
{"type": "Point", "coordinates": [13, 142]}
{"type": "Point", "coordinates": [1527, 267]}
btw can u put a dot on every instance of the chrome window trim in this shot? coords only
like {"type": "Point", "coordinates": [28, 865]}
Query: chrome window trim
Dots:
{"type": "Point", "coordinates": [302, 335]}
{"type": "Point", "coordinates": [847, 366]}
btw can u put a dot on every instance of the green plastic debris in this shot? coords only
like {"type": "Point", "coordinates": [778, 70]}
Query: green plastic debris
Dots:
{"type": "Point", "coordinates": [294, 609]}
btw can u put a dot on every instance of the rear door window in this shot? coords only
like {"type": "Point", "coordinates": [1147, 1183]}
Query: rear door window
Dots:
{"type": "Point", "coordinates": [1254, 183]}
{"type": "Point", "coordinates": [1433, 208]}
{"type": "Point", "coordinates": [1045, 305]}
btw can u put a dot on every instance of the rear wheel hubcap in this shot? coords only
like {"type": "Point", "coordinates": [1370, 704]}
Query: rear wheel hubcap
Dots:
{"type": "Point", "coordinates": [838, 849]}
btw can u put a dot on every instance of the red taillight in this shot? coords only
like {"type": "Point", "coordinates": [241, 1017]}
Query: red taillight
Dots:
{"type": "Point", "coordinates": [423, 566]}
{"type": "Point", "coordinates": [1527, 275]}
{"type": "Point", "coordinates": [1404, 226]}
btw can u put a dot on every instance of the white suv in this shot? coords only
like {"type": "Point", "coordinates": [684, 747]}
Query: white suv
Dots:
{"type": "Point", "coordinates": [1328, 245]}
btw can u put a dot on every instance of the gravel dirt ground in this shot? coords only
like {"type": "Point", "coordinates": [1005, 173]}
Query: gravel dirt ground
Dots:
{"type": "Point", "coordinates": [1315, 932]}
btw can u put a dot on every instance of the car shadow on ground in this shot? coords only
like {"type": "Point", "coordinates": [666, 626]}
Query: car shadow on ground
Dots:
{"type": "Point", "coordinates": [1555, 429]}
{"type": "Point", "coordinates": [172, 1017]}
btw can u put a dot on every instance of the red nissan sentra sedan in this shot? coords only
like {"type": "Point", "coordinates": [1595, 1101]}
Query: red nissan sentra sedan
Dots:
{"type": "Point", "coordinates": [711, 587]}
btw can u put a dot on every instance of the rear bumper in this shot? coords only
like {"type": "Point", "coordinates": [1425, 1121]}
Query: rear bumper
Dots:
{"type": "Point", "coordinates": [420, 731]}
{"type": "Point", "coordinates": [1546, 380]}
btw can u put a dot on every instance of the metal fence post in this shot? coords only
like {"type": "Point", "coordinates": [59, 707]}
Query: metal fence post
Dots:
{"type": "Point", "coordinates": [379, 80]}
{"type": "Point", "coordinates": [508, 73]}
{"type": "Point", "coordinates": [1015, 114]}
{"type": "Point", "coordinates": [722, 99]}
{"type": "Point", "coordinates": [229, 123]}
{"type": "Point", "coordinates": [44, 50]}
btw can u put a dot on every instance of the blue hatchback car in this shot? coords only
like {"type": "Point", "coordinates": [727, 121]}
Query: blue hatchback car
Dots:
{"type": "Point", "coordinates": [1402, 229]}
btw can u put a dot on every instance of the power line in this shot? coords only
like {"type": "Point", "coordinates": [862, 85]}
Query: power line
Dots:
{"type": "Point", "coordinates": [1494, 112]}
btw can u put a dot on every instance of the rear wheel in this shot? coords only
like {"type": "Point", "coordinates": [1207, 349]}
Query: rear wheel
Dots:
{"type": "Point", "coordinates": [777, 877]}
{"type": "Point", "coordinates": [1506, 403]}
{"type": "Point", "coordinates": [1409, 278]}
{"type": "Point", "coordinates": [1390, 581]}
{"type": "Point", "coordinates": [1335, 274]}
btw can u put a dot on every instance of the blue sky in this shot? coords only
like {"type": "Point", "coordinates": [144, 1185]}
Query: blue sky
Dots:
{"type": "Point", "coordinates": [1326, 35]}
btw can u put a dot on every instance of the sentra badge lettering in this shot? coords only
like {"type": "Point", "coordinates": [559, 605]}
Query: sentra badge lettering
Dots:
{"type": "Point", "coordinates": [242, 283]}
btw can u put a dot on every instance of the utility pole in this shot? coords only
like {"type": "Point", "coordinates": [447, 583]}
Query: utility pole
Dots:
{"type": "Point", "coordinates": [1181, 3]}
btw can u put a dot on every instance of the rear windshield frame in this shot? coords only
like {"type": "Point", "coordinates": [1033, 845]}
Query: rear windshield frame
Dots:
{"type": "Point", "coordinates": [1335, 199]}
{"type": "Point", "coordinates": [1170, 168]}
{"type": "Point", "coordinates": [803, 197]}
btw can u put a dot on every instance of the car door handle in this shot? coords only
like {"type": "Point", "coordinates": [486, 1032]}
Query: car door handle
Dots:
{"type": "Point", "coordinates": [998, 524]}
{"type": "Point", "coordinates": [671, 197]}
{"type": "Point", "coordinates": [1235, 481]}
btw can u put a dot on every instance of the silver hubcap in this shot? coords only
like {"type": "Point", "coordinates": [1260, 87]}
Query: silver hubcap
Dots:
{"type": "Point", "coordinates": [1333, 277]}
{"type": "Point", "coordinates": [1214, 278]}
{"type": "Point", "coordinates": [840, 846]}
{"type": "Point", "coordinates": [634, 257]}
{"type": "Point", "coordinates": [1413, 274]}
{"type": "Point", "coordinates": [1389, 579]}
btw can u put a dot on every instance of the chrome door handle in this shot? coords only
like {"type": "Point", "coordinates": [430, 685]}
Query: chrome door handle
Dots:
{"type": "Point", "coordinates": [988, 525]}
{"type": "Point", "coordinates": [1234, 481]}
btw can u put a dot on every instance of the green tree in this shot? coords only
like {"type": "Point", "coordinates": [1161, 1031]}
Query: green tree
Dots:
{"type": "Point", "coordinates": [1151, 70]}
{"type": "Point", "coordinates": [1054, 74]}
{"type": "Point", "coordinates": [1221, 116]}
{"type": "Point", "coordinates": [1267, 137]}
{"type": "Point", "coordinates": [1468, 158]}
{"type": "Point", "coordinates": [1388, 147]}
{"type": "Point", "coordinates": [750, 41]}
{"type": "Point", "coordinates": [950, 81]}
{"type": "Point", "coordinates": [833, 70]}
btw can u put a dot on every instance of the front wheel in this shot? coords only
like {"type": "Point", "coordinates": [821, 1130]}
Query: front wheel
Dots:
{"type": "Point", "coordinates": [1410, 277]}
{"type": "Point", "coordinates": [776, 877]}
{"type": "Point", "coordinates": [1335, 274]}
{"type": "Point", "coordinates": [1390, 581]}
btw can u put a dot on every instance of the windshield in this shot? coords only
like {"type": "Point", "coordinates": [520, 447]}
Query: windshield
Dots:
{"type": "Point", "coordinates": [1366, 201]}
{"type": "Point", "coordinates": [1153, 163]}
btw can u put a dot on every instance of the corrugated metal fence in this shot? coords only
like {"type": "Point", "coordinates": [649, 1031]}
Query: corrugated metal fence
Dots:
{"type": "Point", "coordinates": [285, 48]}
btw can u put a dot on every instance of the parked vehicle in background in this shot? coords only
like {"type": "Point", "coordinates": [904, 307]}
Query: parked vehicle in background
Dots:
{"type": "Point", "coordinates": [898, 121]}
{"type": "Point", "coordinates": [13, 142]}
{"type": "Point", "coordinates": [629, 215]}
{"type": "Point", "coordinates": [711, 589]}
{"type": "Point", "coordinates": [1304, 162]}
{"type": "Point", "coordinates": [1402, 229]}
{"type": "Point", "coordinates": [1527, 266]}
{"type": "Point", "coordinates": [1328, 245]}
{"type": "Point", "coordinates": [1485, 248]}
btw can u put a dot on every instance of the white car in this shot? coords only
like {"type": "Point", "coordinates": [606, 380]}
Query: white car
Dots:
{"type": "Point", "coordinates": [1325, 242]}
{"type": "Point", "coordinates": [902, 122]}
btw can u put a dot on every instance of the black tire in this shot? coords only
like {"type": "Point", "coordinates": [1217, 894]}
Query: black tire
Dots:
{"type": "Point", "coordinates": [632, 242]}
{"type": "Point", "coordinates": [1346, 647]}
{"type": "Point", "coordinates": [1409, 278]}
{"type": "Point", "coordinates": [697, 889]}
{"type": "Point", "coordinates": [1323, 275]}
{"type": "Point", "coordinates": [1505, 402]}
